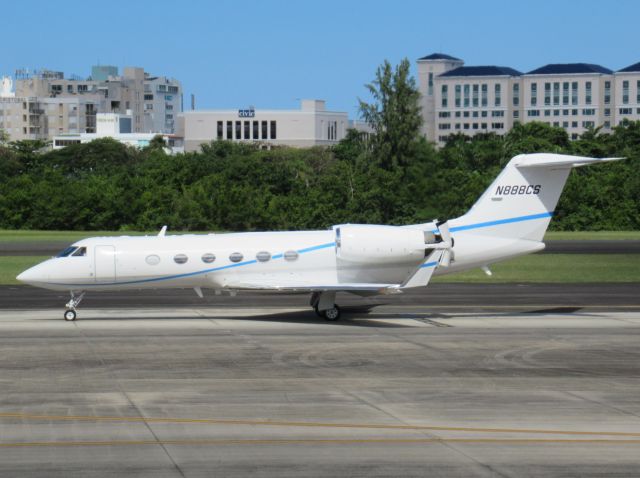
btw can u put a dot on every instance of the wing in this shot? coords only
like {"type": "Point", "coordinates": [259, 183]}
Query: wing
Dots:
{"type": "Point", "coordinates": [419, 278]}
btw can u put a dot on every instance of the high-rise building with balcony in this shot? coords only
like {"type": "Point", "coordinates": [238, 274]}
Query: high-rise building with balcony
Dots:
{"type": "Point", "coordinates": [46, 104]}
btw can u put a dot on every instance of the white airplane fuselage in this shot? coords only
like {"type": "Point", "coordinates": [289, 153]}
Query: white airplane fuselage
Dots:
{"type": "Point", "coordinates": [289, 260]}
{"type": "Point", "coordinates": [508, 220]}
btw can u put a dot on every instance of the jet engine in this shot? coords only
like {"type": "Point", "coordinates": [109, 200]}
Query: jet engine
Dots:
{"type": "Point", "coordinates": [363, 244]}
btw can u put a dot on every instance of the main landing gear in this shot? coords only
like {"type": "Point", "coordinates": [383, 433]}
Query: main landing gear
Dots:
{"type": "Point", "coordinates": [70, 314]}
{"type": "Point", "coordinates": [324, 305]}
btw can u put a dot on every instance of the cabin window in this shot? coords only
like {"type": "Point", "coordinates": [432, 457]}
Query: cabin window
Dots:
{"type": "Point", "coordinates": [180, 258]}
{"type": "Point", "coordinates": [236, 257]}
{"type": "Point", "coordinates": [290, 256]}
{"type": "Point", "coordinates": [208, 258]}
{"type": "Point", "coordinates": [80, 252]}
{"type": "Point", "coordinates": [153, 260]}
{"type": "Point", "coordinates": [263, 256]}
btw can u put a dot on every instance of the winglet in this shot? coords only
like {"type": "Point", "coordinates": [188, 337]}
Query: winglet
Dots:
{"type": "Point", "coordinates": [162, 231]}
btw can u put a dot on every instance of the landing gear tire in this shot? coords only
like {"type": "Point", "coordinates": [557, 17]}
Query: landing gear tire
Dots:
{"type": "Point", "coordinates": [332, 314]}
{"type": "Point", "coordinates": [70, 315]}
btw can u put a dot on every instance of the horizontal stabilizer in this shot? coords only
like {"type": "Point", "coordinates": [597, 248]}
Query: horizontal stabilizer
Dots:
{"type": "Point", "coordinates": [540, 160]}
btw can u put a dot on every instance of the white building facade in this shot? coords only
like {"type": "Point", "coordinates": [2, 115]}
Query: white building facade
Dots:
{"type": "Point", "coordinates": [311, 125]}
{"type": "Point", "coordinates": [481, 99]}
{"type": "Point", "coordinates": [118, 127]}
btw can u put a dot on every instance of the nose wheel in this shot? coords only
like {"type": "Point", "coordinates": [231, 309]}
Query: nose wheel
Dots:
{"type": "Point", "coordinates": [70, 314]}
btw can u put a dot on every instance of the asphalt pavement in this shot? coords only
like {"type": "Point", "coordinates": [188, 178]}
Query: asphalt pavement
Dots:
{"type": "Point", "coordinates": [436, 297]}
{"type": "Point", "coordinates": [278, 392]}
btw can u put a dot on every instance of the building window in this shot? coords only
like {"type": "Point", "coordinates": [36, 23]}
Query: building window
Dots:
{"type": "Point", "coordinates": [565, 93]}
{"type": "Point", "coordinates": [229, 129]}
{"type": "Point", "coordinates": [588, 124]}
{"type": "Point", "coordinates": [475, 99]}
{"type": "Point", "coordinates": [430, 85]}
{"type": "Point", "coordinates": [574, 124]}
{"type": "Point", "coordinates": [497, 99]}
{"type": "Point", "coordinates": [547, 94]}
{"type": "Point", "coordinates": [607, 111]}
{"type": "Point", "coordinates": [484, 89]}
{"type": "Point", "coordinates": [556, 93]}
{"type": "Point", "coordinates": [574, 93]}
{"type": "Point", "coordinates": [625, 92]}
{"type": "Point", "coordinates": [607, 92]}
{"type": "Point", "coordinates": [458, 94]}
{"type": "Point", "coordinates": [220, 130]}
{"type": "Point", "coordinates": [466, 96]}
{"type": "Point", "coordinates": [625, 111]}
{"type": "Point", "coordinates": [638, 91]}
{"type": "Point", "coordinates": [516, 114]}
{"type": "Point", "coordinates": [247, 130]}
{"type": "Point", "coordinates": [238, 129]}
{"type": "Point", "coordinates": [256, 130]}
{"type": "Point", "coordinates": [444, 126]}
{"type": "Point", "coordinates": [534, 94]}
{"type": "Point", "coordinates": [273, 130]}
{"type": "Point", "coordinates": [587, 95]}
{"type": "Point", "coordinates": [444, 92]}
{"type": "Point", "coordinates": [516, 94]}
{"type": "Point", "coordinates": [533, 113]}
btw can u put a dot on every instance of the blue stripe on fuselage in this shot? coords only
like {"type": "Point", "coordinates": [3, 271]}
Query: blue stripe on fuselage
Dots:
{"type": "Point", "coordinates": [303, 251]}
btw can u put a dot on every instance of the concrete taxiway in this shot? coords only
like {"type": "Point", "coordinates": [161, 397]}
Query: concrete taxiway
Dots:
{"type": "Point", "coordinates": [397, 390]}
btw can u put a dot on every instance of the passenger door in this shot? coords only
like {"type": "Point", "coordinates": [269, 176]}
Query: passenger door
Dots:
{"type": "Point", "coordinates": [105, 263]}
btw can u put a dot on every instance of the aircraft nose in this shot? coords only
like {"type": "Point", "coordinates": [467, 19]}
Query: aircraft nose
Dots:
{"type": "Point", "coordinates": [28, 276]}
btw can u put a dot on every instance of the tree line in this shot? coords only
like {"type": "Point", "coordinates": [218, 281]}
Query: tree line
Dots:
{"type": "Point", "coordinates": [393, 176]}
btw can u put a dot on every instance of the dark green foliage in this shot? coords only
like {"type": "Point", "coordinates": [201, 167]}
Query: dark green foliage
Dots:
{"type": "Point", "coordinates": [105, 185]}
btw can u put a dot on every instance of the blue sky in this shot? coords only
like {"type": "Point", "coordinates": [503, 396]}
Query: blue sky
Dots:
{"type": "Point", "coordinates": [269, 53]}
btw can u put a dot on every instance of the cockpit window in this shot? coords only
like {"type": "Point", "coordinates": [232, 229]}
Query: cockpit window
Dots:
{"type": "Point", "coordinates": [81, 251]}
{"type": "Point", "coordinates": [67, 251]}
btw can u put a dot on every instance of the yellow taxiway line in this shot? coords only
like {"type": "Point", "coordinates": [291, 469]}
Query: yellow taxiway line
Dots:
{"type": "Point", "coordinates": [278, 423]}
{"type": "Point", "coordinates": [328, 441]}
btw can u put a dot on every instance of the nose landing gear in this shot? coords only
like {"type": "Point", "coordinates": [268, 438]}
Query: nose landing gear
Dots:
{"type": "Point", "coordinates": [70, 314]}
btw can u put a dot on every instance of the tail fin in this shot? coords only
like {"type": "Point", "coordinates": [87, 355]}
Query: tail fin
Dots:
{"type": "Point", "coordinates": [523, 197]}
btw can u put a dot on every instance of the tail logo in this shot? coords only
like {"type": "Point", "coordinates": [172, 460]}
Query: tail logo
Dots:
{"type": "Point", "coordinates": [516, 190]}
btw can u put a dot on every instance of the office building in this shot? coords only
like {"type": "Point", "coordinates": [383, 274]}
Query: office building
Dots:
{"type": "Point", "coordinates": [120, 128]}
{"type": "Point", "coordinates": [480, 99]}
{"type": "Point", "coordinates": [311, 125]}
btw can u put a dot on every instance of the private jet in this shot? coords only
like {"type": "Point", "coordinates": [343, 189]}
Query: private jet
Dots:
{"type": "Point", "coordinates": [508, 220]}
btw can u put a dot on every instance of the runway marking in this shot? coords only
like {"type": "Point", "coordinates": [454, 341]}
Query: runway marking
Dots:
{"type": "Point", "coordinates": [276, 423]}
{"type": "Point", "coordinates": [315, 441]}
